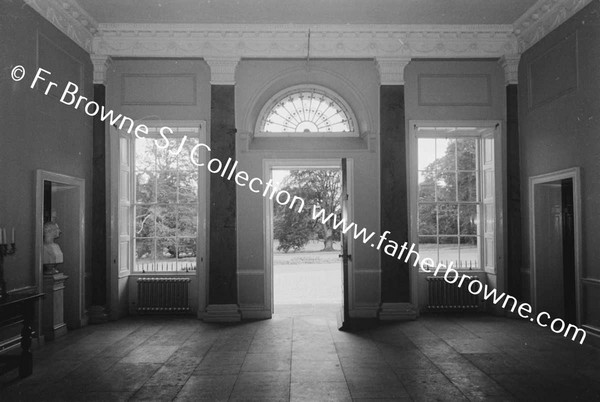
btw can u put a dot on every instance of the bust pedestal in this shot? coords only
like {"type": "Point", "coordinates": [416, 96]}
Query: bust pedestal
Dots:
{"type": "Point", "coordinates": [53, 309]}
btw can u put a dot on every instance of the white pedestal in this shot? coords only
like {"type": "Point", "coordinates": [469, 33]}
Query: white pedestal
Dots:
{"type": "Point", "coordinates": [53, 321]}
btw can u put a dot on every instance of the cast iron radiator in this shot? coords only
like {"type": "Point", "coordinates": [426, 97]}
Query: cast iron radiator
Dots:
{"type": "Point", "coordinates": [448, 296]}
{"type": "Point", "coordinates": [163, 295]}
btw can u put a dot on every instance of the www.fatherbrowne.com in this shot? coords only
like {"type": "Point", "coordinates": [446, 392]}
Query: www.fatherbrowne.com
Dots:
{"type": "Point", "coordinates": [391, 247]}
{"type": "Point", "coordinates": [451, 275]}
{"type": "Point", "coordinates": [256, 185]}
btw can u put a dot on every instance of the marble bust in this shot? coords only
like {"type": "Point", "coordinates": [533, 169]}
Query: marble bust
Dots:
{"type": "Point", "coordinates": [52, 252]}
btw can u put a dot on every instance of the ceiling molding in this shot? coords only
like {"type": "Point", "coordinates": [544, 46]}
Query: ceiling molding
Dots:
{"type": "Point", "coordinates": [233, 41]}
{"type": "Point", "coordinates": [542, 18]}
{"type": "Point", "coordinates": [69, 18]}
{"type": "Point", "coordinates": [331, 41]}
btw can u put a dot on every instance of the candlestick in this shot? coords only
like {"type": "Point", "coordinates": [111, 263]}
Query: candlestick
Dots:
{"type": "Point", "coordinates": [5, 250]}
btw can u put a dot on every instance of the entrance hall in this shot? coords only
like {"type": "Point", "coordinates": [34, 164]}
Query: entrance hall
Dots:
{"type": "Point", "coordinates": [465, 133]}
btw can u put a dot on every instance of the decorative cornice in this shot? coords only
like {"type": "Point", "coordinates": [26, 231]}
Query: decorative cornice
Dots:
{"type": "Point", "coordinates": [543, 17]}
{"type": "Point", "coordinates": [69, 18]}
{"type": "Point", "coordinates": [332, 41]}
{"type": "Point", "coordinates": [391, 70]}
{"type": "Point", "coordinates": [101, 64]}
{"type": "Point", "coordinates": [510, 64]}
{"type": "Point", "coordinates": [222, 70]}
{"type": "Point", "coordinates": [257, 40]}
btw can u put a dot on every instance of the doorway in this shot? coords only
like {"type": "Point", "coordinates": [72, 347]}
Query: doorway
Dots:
{"type": "Point", "coordinates": [61, 199]}
{"type": "Point", "coordinates": [555, 252]}
{"type": "Point", "coordinates": [304, 254]}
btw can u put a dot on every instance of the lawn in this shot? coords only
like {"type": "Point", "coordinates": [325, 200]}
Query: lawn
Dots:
{"type": "Point", "coordinates": [308, 276]}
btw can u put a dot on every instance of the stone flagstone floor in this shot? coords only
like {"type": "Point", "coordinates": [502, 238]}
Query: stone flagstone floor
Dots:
{"type": "Point", "coordinates": [305, 358]}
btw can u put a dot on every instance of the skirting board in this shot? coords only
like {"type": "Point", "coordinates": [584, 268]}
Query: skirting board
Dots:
{"type": "Point", "coordinates": [222, 313]}
{"type": "Point", "coordinates": [592, 339]}
{"type": "Point", "coordinates": [253, 313]}
{"type": "Point", "coordinates": [397, 312]}
{"type": "Point", "coordinates": [369, 311]}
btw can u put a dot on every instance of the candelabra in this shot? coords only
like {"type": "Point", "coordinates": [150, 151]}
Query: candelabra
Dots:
{"type": "Point", "coordinates": [5, 249]}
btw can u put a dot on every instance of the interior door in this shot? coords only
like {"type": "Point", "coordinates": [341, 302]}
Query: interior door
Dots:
{"type": "Point", "coordinates": [344, 316]}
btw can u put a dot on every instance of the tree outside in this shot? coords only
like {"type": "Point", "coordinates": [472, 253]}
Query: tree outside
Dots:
{"type": "Point", "coordinates": [317, 187]}
{"type": "Point", "coordinates": [448, 197]}
{"type": "Point", "coordinates": [166, 217]}
{"type": "Point", "coordinates": [311, 273]}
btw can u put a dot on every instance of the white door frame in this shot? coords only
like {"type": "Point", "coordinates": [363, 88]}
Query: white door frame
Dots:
{"type": "Point", "coordinates": [78, 282]}
{"type": "Point", "coordinates": [575, 175]}
{"type": "Point", "coordinates": [313, 163]}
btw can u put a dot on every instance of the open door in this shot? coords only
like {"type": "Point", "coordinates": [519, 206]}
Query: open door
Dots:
{"type": "Point", "coordinates": [555, 255]}
{"type": "Point", "coordinates": [344, 317]}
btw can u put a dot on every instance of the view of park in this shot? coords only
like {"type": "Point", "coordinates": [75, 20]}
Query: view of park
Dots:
{"type": "Point", "coordinates": [306, 266]}
{"type": "Point", "coordinates": [165, 206]}
{"type": "Point", "coordinates": [448, 201]}
{"type": "Point", "coordinates": [306, 263]}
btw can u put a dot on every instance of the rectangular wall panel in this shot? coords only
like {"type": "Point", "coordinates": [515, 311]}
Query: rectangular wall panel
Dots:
{"type": "Point", "coordinates": [591, 304]}
{"type": "Point", "coordinates": [124, 256]}
{"type": "Point", "coordinates": [366, 288]}
{"type": "Point", "coordinates": [252, 291]}
{"type": "Point", "coordinates": [553, 73]}
{"type": "Point", "coordinates": [454, 90]}
{"type": "Point", "coordinates": [158, 89]}
{"type": "Point", "coordinates": [62, 66]}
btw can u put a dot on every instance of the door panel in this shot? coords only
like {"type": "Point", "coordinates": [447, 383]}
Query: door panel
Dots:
{"type": "Point", "coordinates": [343, 319]}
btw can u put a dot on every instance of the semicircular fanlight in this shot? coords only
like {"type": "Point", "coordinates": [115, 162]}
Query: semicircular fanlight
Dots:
{"type": "Point", "coordinates": [307, 111]}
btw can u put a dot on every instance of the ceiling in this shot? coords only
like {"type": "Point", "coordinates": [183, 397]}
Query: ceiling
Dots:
{"type": "Point", "coordinates": [307, 11]}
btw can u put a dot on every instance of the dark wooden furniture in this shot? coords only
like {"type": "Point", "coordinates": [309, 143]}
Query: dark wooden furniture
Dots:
{"type": "Point", "coordinates": [20, 308]}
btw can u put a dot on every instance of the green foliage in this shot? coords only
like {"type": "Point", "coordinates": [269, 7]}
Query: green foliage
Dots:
{"type": "Point", "coordinates": [320, 187]}
{"type": "Point", "coordinates": [292, 229]}
{"type": "Point", "coordinates": [450, 178]}
{"type": "Point", "coordinates": [166, 198]}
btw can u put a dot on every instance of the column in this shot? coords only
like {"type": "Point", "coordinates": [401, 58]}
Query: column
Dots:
{"type": "Point", "coordinates": [222, 263]}
{"type": "Point", "coordinates": [510, 63]}
{"type": "Point", "coordinates": [395, 277]}
{"type": "Point", "coordinates": [97, 313]}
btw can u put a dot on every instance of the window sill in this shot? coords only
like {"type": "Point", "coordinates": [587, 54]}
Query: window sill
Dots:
{"type": "Point", "coordinates": [441, 272]}
{"type": "Point", "coordinates": [163, 274]}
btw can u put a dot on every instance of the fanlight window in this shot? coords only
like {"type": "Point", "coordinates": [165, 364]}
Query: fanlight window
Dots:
{"type": "Point", "coordinates": [306, 112]}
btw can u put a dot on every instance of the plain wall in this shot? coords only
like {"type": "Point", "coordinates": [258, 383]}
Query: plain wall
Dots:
{"type": "Point", "coordinates": [559, 116]}
{"type": "Point", "coordinates": [38, 131]}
